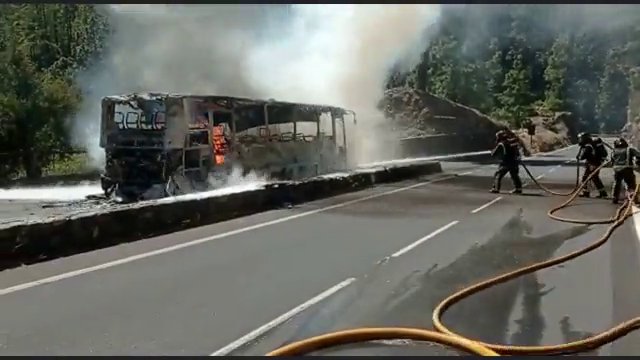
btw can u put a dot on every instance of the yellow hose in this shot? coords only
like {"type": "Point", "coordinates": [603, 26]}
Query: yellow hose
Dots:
{"type": "Point", "coordinates": [444, 336]}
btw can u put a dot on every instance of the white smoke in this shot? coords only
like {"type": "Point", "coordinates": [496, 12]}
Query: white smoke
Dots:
{"type": "Point", "coordinates": [334, 54]}
{"type": "Point", "coordinates": [341, 55]}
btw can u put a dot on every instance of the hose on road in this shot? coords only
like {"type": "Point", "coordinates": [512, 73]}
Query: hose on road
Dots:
{"type": "Point", "coordinates": [444, 336]}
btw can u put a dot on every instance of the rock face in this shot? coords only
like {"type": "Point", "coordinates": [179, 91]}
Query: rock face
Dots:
{"type": "Point", "coordinates": [631, 130]}
{"type": "Point", "coordinates": [552, 132]}
{"type": "Point", "coordinates": [417, 113]}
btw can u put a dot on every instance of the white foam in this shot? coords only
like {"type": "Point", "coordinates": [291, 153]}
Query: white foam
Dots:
{"type": "Point", "coordinates": [52, 193]}
{"type": "Point", "coordinates": [217, 192]}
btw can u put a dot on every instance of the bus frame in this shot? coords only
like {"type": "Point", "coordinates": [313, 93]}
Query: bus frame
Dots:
{"type": "Point", "coordinates": [177, 143]}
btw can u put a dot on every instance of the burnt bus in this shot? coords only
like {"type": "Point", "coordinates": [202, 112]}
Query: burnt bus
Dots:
{"type": "Point", "coordinates": [160, 145]}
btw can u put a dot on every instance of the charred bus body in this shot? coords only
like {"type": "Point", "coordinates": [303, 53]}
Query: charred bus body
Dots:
{"type": "Point", "coordinates": [163, 144]}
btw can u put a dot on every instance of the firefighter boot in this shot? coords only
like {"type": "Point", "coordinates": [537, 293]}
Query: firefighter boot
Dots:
{"type": "Point", "coordinates": [602, 194]}
{"type": "Point", "coordinates": [615, 198]}
{"type": "Point", "coordinates": [516, 191]}
{"type": "Point", "coordinates": [494, 190]}
{"type": "Point", "coordinates": [585, 194]}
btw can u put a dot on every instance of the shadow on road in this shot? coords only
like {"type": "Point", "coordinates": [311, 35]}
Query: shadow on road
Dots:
{"type": "Point", "coordinates": [391, 295]}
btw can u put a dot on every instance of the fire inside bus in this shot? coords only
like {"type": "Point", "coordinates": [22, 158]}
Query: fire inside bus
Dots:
{"type": "Point", "coordinates": [163, 144]}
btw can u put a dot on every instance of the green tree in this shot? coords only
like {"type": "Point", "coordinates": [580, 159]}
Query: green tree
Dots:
{"type": "Point", "coordinates": [41, 47]}
{"type": "Point", "coordinates": [36, 108]}
{"type": "Point", "coordinates": [555, 75]}
{"type": "Point", "coordinates": [613, 95]}
{"type": "Point", "coordinates": [515, 96]}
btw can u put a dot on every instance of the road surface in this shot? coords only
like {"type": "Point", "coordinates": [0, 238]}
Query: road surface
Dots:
{"type": "Point", "coordinates": [383, 256]}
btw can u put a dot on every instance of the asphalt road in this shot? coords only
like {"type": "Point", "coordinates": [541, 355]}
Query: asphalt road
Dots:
{"type": "Point", "coordinates": [383, 256]}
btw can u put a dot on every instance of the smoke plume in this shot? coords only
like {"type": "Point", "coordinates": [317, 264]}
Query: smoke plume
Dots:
{"type": "Point", "coordinates": [334, 54]}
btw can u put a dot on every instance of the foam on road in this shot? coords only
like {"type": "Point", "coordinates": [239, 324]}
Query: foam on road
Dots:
{"type": "Point", "coordinates": [232, 189]}
{"type": "Point", "coordinates": [51, 193]}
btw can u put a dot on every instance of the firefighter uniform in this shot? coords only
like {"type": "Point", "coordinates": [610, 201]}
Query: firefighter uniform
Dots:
{"type": "Point", "coordinates": [592, 153]}
{"type": "Point", "coordinates": [509, 150]}
{"type": "Point", "coordinates": [623, 158]}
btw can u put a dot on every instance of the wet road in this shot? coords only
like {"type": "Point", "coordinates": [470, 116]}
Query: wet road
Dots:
{"type": "Point", "coordinates": [384, 256]}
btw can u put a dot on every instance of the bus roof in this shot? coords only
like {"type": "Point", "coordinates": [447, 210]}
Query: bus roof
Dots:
{"type": "Point", "coordinates": [229, 101]}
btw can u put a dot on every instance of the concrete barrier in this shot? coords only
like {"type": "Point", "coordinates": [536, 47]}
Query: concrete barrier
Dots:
{"type": "Point", "coordinates": [37, 241]}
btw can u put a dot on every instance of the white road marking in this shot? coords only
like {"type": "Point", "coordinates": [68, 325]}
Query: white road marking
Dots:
{"type": "Point", "coordinates": [129, 259]}
{"type": "Point", "coordinates": [282, 318]}
{"type": "Point", "coordinates": [487, 205]}
{"type": "Point", "coordinates": [420, 241]}
{"type": "Point", "coordinates": [555, 168]}
{"type": "Point", "coordinates": [636, 221]}
{"type": "Point", "coordinates": [540, 176]}
{"type": "Point", "coordinates": [256, 333]}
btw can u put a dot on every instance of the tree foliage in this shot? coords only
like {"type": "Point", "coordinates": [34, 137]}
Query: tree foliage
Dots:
{"type": "Point", "coordinates": [42, 47]}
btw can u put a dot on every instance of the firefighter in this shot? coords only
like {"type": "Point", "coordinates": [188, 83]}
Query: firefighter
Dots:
{"type": "Point", "coordinates": [623, 157]}
{"type": "Point", "coordinates": [601, 148]}
{"type": "Point", "coordinates": [508, 148]}
{"type": "Point", "coordinates": [594, 154]}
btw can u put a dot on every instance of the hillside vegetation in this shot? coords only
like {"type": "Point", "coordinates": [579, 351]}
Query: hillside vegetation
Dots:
{"type": "Point", "coordinates": [520, 62]}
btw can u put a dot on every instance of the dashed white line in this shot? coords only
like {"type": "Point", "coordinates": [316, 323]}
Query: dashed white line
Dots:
{"type": "Point", "coordinates": [555, 168]}
{"type": "Point", "coordinates": [486, 205]}
{"type": "Point", "coordinates": [409, 247]}
{"type": "Point", "coordinates": [282, 318]}
{"type": "Point", "coordinates": [129, 259]}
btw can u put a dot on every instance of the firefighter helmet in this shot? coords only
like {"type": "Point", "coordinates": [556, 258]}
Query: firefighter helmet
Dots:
{"type": "Point", "coordinates": [584, 138]}
{"type": "Point", "coordinates": [620, 143]}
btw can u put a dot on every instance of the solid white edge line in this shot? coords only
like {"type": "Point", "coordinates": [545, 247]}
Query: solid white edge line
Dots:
{"type": "Point", "coordinates": [636, 221]}
{"type": "Point", "coordinates": [106, 265]}
{"type": "Point", "coordinates": [487, 205]}
{"type": "Point", "coordinates": [409, 247]}
{"type": "Point", "coordinates": [281, 319]}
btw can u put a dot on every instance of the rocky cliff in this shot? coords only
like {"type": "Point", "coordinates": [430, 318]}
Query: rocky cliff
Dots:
{"type": "Point", "coordinates": [417, 113]}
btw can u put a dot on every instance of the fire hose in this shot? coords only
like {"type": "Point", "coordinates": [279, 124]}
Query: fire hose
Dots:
{"type": "Point", "coordinates": [444, 336]}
